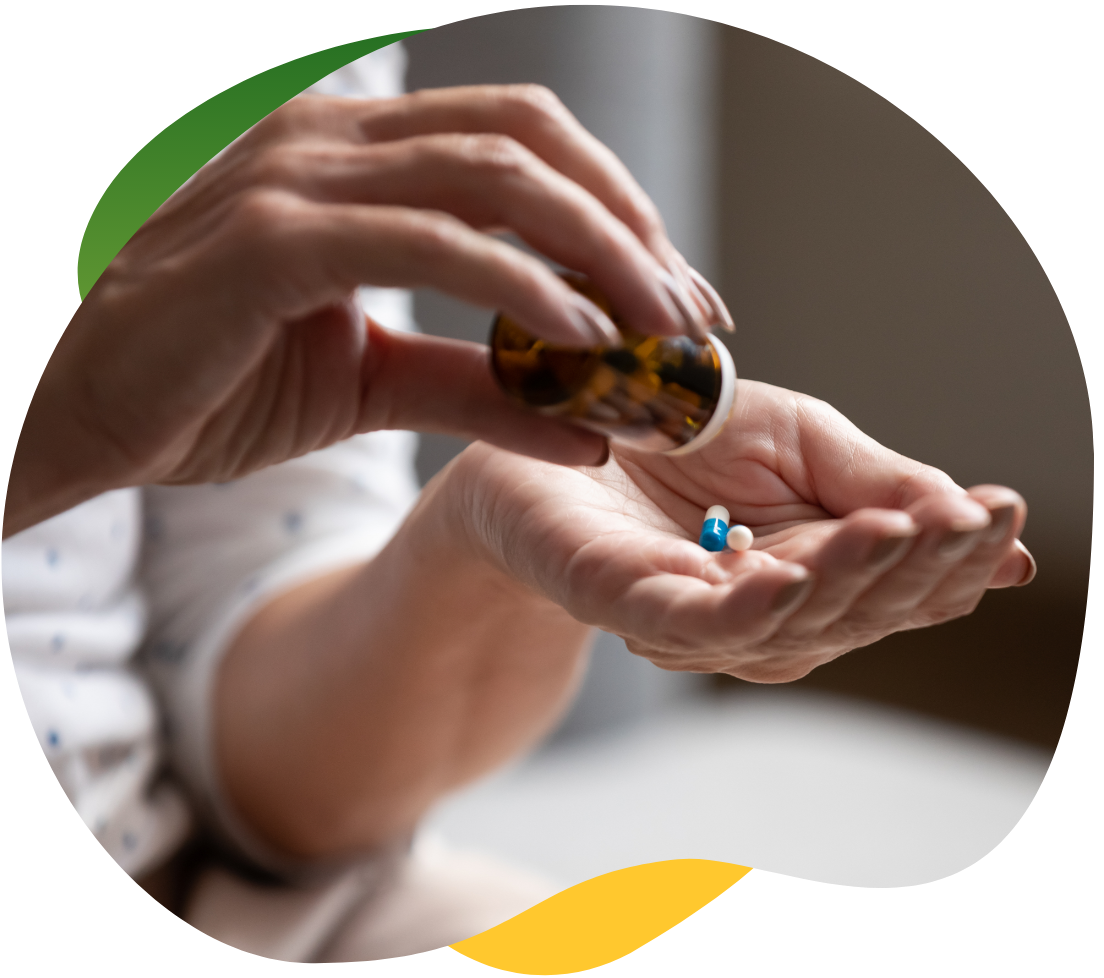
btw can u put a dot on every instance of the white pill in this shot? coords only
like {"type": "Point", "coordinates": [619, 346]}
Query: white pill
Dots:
{"type": "Point", "coordinates": [739, 537]}
{"type": "Point", "coordinates": [717, 513]}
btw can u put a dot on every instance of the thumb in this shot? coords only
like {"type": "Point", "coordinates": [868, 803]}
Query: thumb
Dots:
{"type": "Point", "coordinates": [427, 383]}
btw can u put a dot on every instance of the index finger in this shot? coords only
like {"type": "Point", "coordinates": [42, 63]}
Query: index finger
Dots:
{"type": "Point", "coordinates": [535, 117]}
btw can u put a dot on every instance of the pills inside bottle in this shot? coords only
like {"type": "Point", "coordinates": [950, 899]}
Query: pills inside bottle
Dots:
{"type": "Point", "coordinates": [663, 394]}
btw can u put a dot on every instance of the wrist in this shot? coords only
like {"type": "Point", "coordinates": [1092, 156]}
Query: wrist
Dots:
{"type": "Point", "coordinates": [462, 527]}
{"type": "Point", "coordinates": [53, 470]}
{"type": "Point", "coordinates": [63, 457]}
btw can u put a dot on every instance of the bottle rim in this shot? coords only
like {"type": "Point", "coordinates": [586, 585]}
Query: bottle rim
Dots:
{"type": "Point", "coordinates": [726, 401]}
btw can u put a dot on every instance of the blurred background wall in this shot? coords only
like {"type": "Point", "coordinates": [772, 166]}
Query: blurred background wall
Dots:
{"type": "Point", "coordinates": [864, 265]}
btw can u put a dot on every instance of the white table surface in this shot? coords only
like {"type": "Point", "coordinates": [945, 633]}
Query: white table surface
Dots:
{"type": "Point", "coordinates": [796, 782]}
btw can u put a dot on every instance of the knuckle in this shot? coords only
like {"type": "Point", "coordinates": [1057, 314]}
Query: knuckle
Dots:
{"type": "Point", "coordinates": [495, 154]}
{"type": "Point", "coordinates": [779, 662]}
{"type": "Point", "coordinates": [775, 673]}
{"type": "Point", "coordinates": [262, 215]}
{"type": "Point", "coordinates": [858, 630]}
{"type": "Point", "coordinates": [674, 659]}
{"type": "Point", "coordinates": [642, 649]}
{"type": "Point", "coordinates": [301, 119]}
{"type": "Point", "coordinates": [925, 619]}
{"type": "Point", "coordinates": [282, 121]}
{"type": "Point", "coordinates": [276, 166]}
{"type": "Point", "coordinates": [293, 115]}
{"type": "Point", "coordinates": [435, 236]}
{"type": "Point", "coordinates": [947, 612]}
{"type": "Point", "coordinates": [539, 100]}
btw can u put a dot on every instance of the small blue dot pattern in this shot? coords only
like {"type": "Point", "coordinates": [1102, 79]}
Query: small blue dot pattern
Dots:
{"type": "Point", "coordinates": [202, 555]}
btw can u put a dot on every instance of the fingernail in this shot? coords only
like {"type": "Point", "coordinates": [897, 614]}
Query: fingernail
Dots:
{"type": "Point", "coordinates": [790, 595]}
{"type": "Point", "coordinates": [1000, 523]}
{"type": "Point", "coordinates": [956, 544]}
{"type": "Point", "coordinates": [695, 327]}
{"type": "Point", "coordinates": [699, 304]}
{"type": "Point", "coordinates": [593, 325]}
{"type": "Point", "coordinates": [1032, 566]}
{"type": "Point", "coordinates": [888, 550]}
{"type": "Point", "coordinates": [713, 300]}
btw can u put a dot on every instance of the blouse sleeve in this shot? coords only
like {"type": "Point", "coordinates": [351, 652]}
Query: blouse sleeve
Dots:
{"type": "Point", "coordinates": [215, 554]}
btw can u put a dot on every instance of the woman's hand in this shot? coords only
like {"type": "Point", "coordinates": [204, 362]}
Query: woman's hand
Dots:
{"type": "Point", "coordinates": [852, 541]}
{"type": "Point", "coordinates": [223, 337]}
{"type": "Point", "coordinates": [349, 705]}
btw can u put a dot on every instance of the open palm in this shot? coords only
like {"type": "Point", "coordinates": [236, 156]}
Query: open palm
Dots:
{"type": "Point", "coordinates": [852, 540]}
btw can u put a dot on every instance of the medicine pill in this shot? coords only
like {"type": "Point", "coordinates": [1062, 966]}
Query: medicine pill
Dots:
{"type": "Point", "coordinates": [714, 529]}
{"type": "Point", "coordinates": [739, 537]}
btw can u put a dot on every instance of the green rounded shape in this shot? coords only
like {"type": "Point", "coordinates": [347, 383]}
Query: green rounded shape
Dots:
{"type": "Point", "coordinates": [166, 162]}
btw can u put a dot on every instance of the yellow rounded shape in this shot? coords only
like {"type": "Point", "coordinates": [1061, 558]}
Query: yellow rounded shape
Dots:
{"type": "Point", "coordinates": [602, 919]}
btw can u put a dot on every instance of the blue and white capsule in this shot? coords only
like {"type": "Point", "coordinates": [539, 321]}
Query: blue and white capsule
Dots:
{"type": "Point", "coordinates": [714, 529]}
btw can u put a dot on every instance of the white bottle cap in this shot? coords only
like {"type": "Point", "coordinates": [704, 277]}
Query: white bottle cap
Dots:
{"type": "Point", "coordinates": [725, 402]}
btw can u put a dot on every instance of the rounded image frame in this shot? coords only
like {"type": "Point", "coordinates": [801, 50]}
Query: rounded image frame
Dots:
{"type": "Point", "coordinates": [678, 894]}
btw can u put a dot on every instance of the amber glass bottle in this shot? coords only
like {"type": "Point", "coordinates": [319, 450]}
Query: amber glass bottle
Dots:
{"type": "Point", "coordinates": [664, 394]}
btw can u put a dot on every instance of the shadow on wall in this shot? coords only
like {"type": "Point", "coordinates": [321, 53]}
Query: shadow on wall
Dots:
{"type": "Point", "coordinates": [864, 265]}
{"type": "Point", "coordinates": [867, 266]}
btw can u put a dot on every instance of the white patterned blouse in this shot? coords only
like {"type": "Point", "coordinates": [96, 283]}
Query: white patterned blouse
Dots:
{"type": "Point", "coordinates": [142, 589]}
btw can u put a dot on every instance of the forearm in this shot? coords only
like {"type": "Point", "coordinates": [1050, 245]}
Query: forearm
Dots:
{"type": "Point", "coordinates": [349, 705]}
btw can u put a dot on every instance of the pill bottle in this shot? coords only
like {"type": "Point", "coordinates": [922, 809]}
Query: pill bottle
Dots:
{"type": "Point", "coordinates": [662, 394]}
